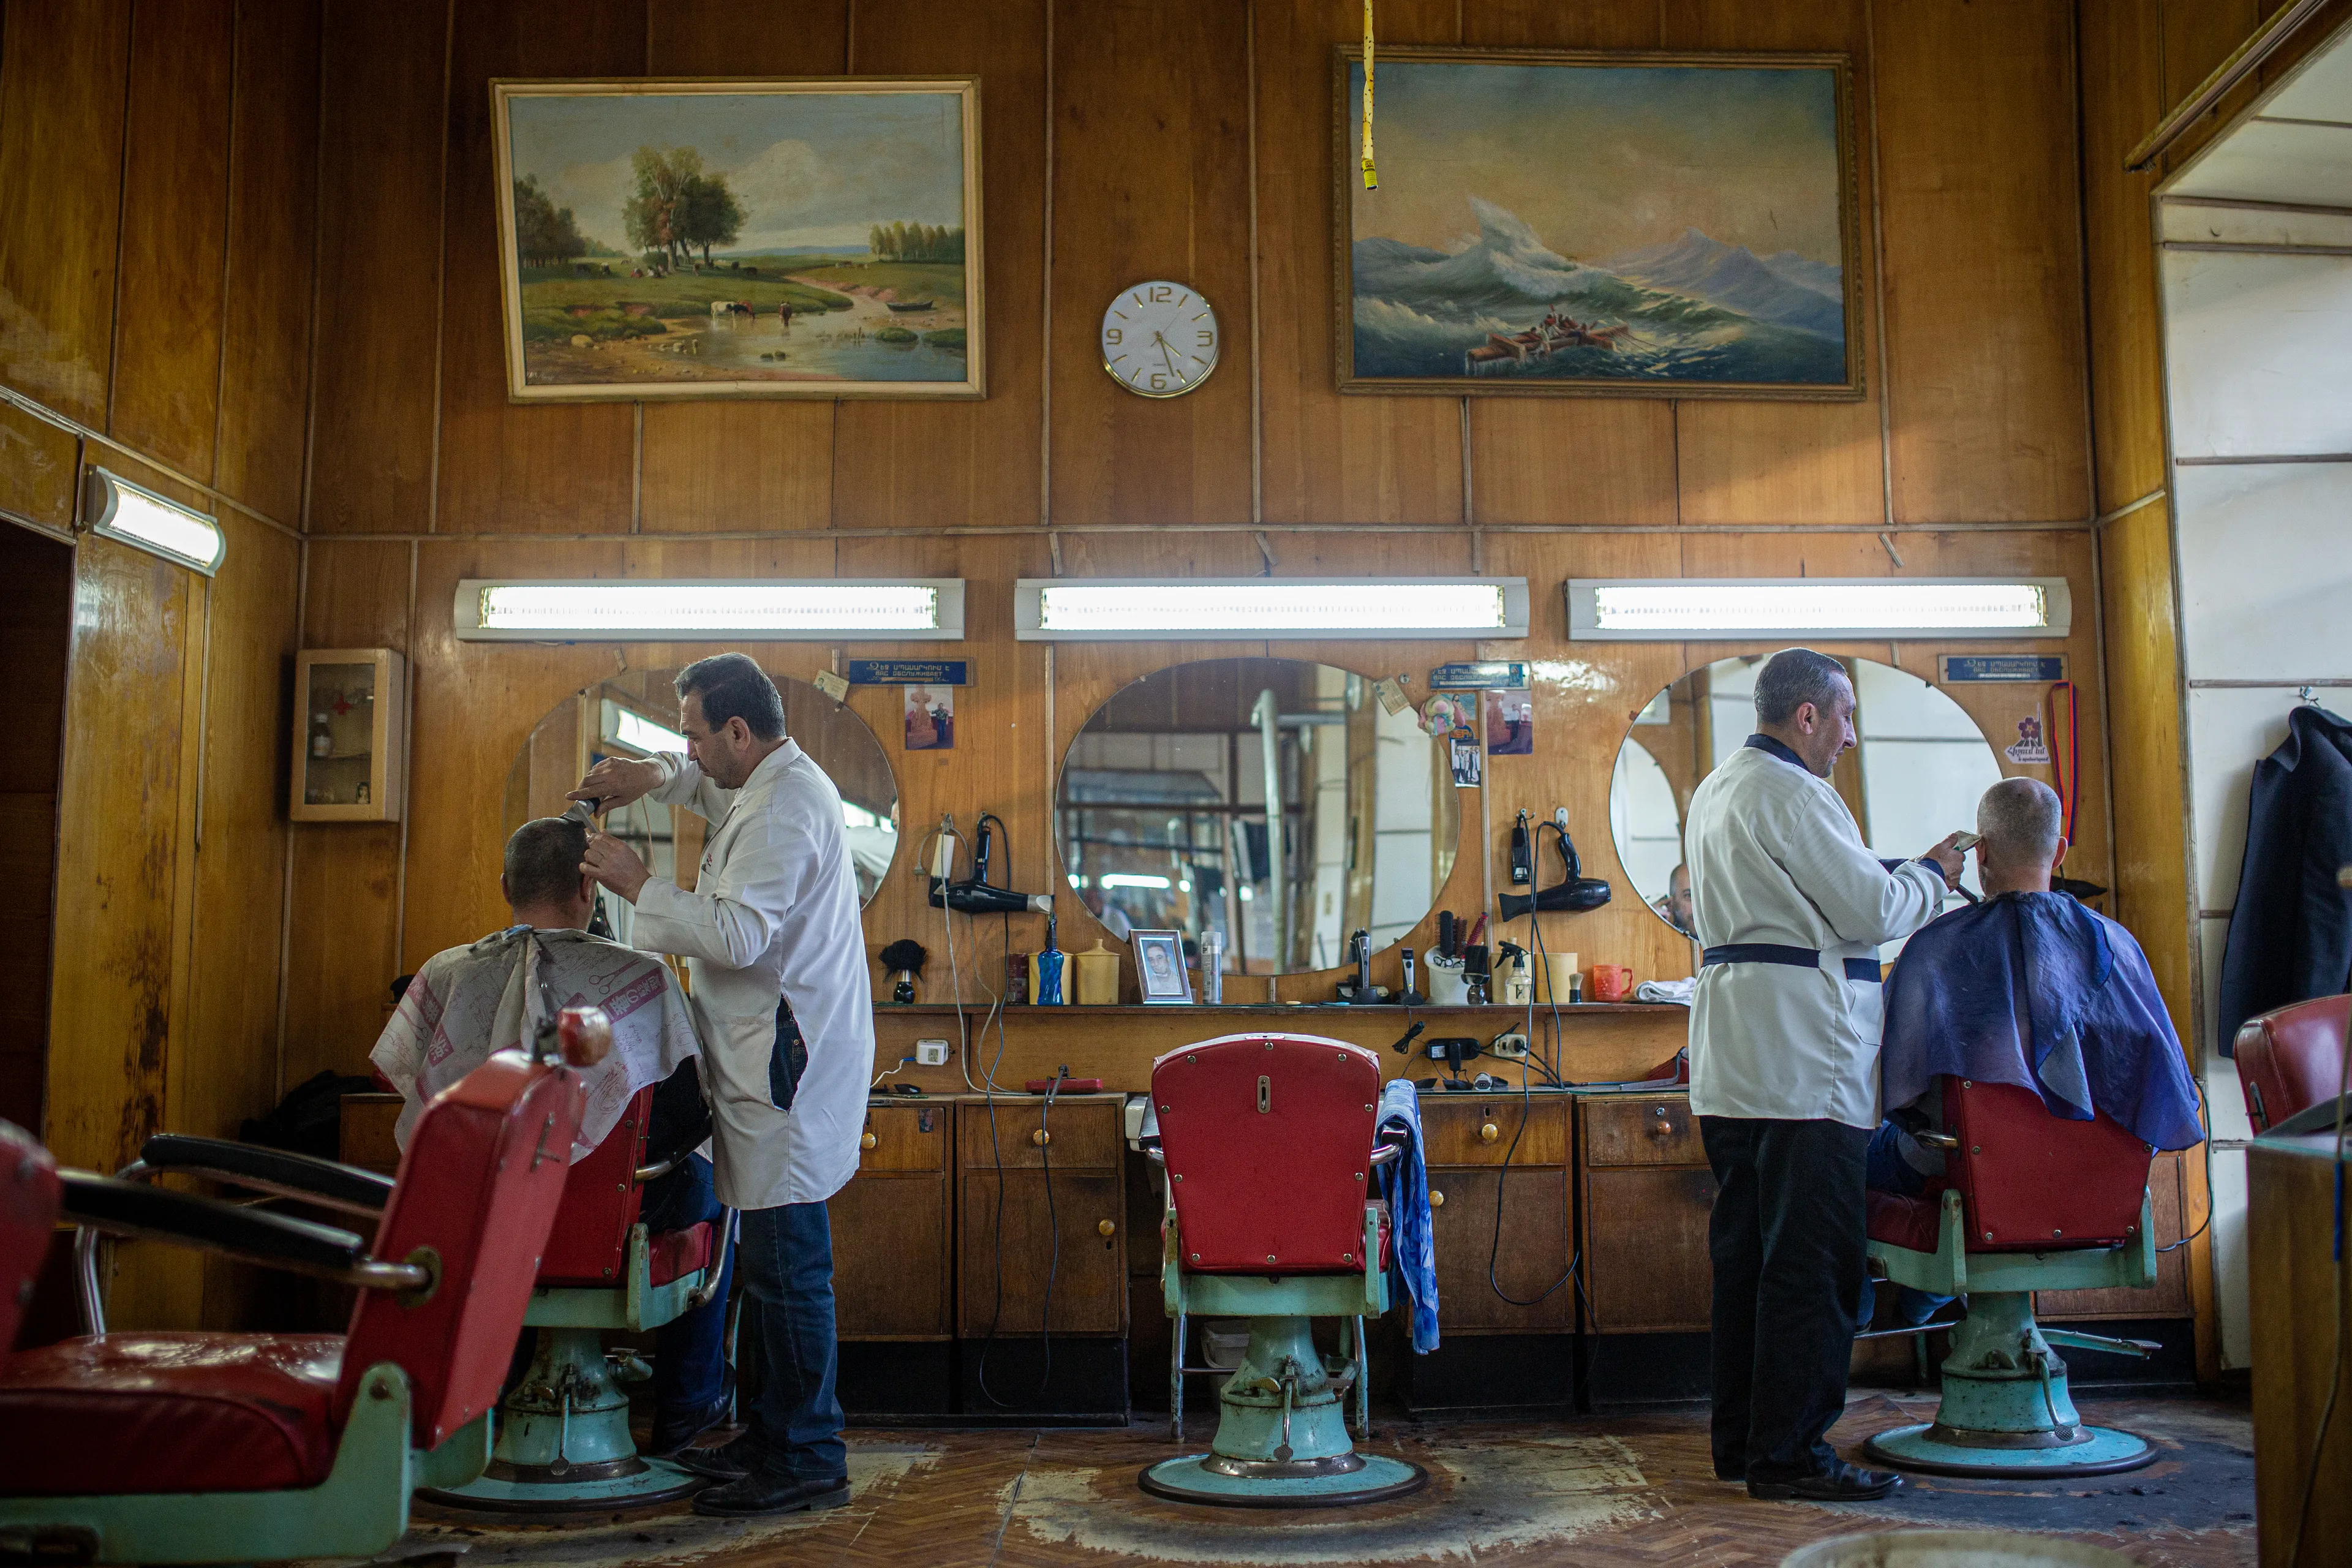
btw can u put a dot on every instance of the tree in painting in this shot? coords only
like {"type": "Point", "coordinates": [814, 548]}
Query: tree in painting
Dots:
{"type": "Point", "coordinates": [545, 234]}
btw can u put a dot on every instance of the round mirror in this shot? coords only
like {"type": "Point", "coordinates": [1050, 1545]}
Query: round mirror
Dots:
{"type": "Point", "coordinates": [1273, 802]}
{"type": "Point", "coordinates": [1920, 764]}
{"type": "Point", "coordinates": [635, 714]}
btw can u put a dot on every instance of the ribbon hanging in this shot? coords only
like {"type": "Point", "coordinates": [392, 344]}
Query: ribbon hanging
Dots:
{"type": "Point", "coordinates": [1372, 179]}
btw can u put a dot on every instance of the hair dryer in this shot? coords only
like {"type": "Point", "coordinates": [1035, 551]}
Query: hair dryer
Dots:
{"type": "Point", "coordinates": [1575, 892]}
{"type": "Point", "coordinates": [975, 895]}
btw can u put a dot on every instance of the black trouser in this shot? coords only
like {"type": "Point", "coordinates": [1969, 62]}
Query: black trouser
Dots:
{"type": "Point", "coordinates": [1787, 1241]}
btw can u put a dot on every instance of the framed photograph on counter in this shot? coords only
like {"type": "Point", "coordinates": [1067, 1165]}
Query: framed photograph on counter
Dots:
{"type": "Point", "coordinates": [1160, 963]}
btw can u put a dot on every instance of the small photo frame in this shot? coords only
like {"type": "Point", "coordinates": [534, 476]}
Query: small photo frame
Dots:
{"type": "Point", "coordinates": [1159, 966]}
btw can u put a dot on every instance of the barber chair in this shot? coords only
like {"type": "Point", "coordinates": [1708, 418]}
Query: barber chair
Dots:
{"type": "Point", "coordinates": [29, 1209]}
{"type": "Point", "coordinates": [2291, 1057]}
{"type": "Point", "coordinates": [563, 1442]}
{"type": "Point", "coordinates": [2030, 1202]}
{"type": "Point", "coordinates": [216, 1447]}
{"type": "Point", "coordinates": [1268, 1141]}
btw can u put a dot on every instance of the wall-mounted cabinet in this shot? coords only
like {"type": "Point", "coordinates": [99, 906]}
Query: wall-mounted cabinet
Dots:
{"type": "Point", "coordinates": [350, 723]}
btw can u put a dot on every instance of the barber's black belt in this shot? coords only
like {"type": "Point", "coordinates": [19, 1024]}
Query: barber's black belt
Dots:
{"type": "Point", "coordinates": [1862, 969]}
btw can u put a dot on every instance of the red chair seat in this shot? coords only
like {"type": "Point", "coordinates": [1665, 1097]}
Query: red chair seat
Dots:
{"type": "Point", "coordinates": [673, 1254]}
{"type": "Point", "coordinates": [169, 1413]}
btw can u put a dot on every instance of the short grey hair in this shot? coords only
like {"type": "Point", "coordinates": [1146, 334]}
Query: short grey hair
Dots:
{"type": "Point", "coordinates": [2023, 820]}
{"type": "Point", "coordinates": [1793, 678]}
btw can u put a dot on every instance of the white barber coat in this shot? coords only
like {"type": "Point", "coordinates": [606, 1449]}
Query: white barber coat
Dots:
{"type": "Point", "coordinates": [774, 912]}
{"type": "Point", "coordinates": [1775, 858]}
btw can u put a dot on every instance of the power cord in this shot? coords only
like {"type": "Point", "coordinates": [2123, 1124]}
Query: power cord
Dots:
{"type": "Point", "coordinates": [1053, 1229]}
{"type": "Point", "coordinates": [1502, 1177]}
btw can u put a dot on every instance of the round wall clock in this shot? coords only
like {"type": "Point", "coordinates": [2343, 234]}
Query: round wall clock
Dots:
{"type": "Point", "coordinates": [1160, 340]}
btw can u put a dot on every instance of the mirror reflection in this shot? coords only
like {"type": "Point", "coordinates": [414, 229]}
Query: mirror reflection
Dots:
{"type": "Point", "coordinates": [1920, 764]}
{"type": "Point", "coordinates": [635, 714]}
{"type": "Point", "coordinates": [1270, 801]}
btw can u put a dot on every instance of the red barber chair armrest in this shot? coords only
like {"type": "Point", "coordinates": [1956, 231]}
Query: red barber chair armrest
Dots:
{"type": "Point", "coordinates": [1912, 1223]}
{"type": "Point", "coordinates": [2291, 1057]}
{"type": "Point", "coordinates": [277, 1170]}
{"type": "Point", "coordinates": [674, 1254]}
{"type": "Point", "coordinates": [250, 1235]}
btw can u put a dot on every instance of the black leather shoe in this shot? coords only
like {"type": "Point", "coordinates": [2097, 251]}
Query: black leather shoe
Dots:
{"type": "Point", "coordinates": [672, 1433]}
{"type": "Point", "coordinates": [1842, 1483]}
{"type": "Point", "coordinates": [1730, 1472]}
{"type": "Point", "coordinates": [759, 1493]}
{"type": "Point", "coordinates": [725, 1462]}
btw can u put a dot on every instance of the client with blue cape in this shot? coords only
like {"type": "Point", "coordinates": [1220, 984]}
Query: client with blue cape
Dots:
{"type": "Point", "coordinates": [2028, 988]}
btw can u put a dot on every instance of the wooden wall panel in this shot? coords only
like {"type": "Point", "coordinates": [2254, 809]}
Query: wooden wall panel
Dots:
{"type": "Point", "coordinates": [64, 71]}
{"type": "Point", "coordinates": [272, 227]}
{"type": "Point", "coordinates": [39, 466]}
{"type": "Point", "coordinates": [167, 343]}
{"type": "Point", "coordinates": [1328, 458]}
{"type": "Point", "coordinates": [2122, 98]}
{"type": "Point", "coordinates": [1151, 181]}
{"type": "Point", "coordinates": [1572, 459]}
{"type": "Point", "coordinates": [503, 465]}
{"type": "Point", "coordinates": [1983, 282]}
{"type": "Point", "coordinates": [932, 465]}
{"type": "Point", "coordinates": [373, 409]}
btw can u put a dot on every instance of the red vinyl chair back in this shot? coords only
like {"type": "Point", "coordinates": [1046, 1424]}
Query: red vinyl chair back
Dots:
{"type": "Point", "coordinates": [2033, 1181]}
{"type": "Point", "coordinates": [28, 1215]}
{"type": "Point", "coordinates": [601, 1199]}
{"type": "Point", "coordinates": [1268, 1139]}
{"type": "Point", "coordinates": [478, 1187]}
{"type": "Point", "coordinates": [2291, 1057]}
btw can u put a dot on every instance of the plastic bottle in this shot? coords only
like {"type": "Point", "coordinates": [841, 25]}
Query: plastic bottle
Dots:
{"type": "Point", "coordinates": [1045, 972]}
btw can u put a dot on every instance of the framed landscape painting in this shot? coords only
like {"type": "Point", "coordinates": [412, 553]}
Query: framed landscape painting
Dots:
{"type": "Point", "coordinates": [809, 237]}
{"type": "Point", "coordinates": [1613, 225]}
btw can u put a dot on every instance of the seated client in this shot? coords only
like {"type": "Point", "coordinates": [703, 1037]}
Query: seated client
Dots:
{"type": "Point", "coordinates": [2029, 988]}
{"type": "Point", "coordinates": [468, 1002]}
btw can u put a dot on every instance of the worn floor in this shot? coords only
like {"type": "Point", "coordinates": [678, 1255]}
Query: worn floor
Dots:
{"type": "Point", "coordinates": [1626, 1489]}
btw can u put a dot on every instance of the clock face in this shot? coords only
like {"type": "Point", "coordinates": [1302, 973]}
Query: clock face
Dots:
{"type": "Point", "coordinates": [1160, 340]}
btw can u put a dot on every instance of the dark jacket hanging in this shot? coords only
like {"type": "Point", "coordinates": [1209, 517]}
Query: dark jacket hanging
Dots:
{"type": "Point", "coordinates": [2291, 931]}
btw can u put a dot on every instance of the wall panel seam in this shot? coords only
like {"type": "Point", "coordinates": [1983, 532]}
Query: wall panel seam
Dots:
{"type": "Point", "coordinates": [228, 259]}
{"type": "Point", "coordinates": [121, 210]}
{"type": "Point", "coordinates": [440, 316]}
{"type": "Point", "coordinates": [1878, 272]}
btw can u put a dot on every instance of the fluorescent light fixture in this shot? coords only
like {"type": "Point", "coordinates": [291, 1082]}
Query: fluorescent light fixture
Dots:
{"type": "Point", "coordinates": [1666, 609]}
{"type": "Point", "coordinates": [633, 729]}
{"type": "Point", "coordinates": [828, 609]}
{"type": "Point", "coordinates": [122, 510]}
{"type": "Point", "coordinates": [1110, 609]}
{"type": "Point", "coordinates": [1126, 880]}
{"type": "Point", "coordinates": [858, 816]}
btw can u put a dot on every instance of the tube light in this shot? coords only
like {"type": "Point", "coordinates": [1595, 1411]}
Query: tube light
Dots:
{"type": "Point", "coordinates": [719, 609]}
{"type": "Point", "coordinates": [122, 510]}
{"type": "Point", "coordinates": [1130, 608]}
{"type": "Point", "coordinates": [1749, 609]}
{"type": "Point", "coordinates": [1129, 879]}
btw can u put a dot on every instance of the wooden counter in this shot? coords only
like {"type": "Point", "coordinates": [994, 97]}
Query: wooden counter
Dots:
{"type": "Point", "coordinates": [2299, 1309]}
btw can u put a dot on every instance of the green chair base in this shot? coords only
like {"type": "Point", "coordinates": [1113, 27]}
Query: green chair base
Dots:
{"type": "Point", "coordinates": [654, 1481]}
{"type": "Point", "coordinates": [1930, 1449]}
{"type": "Point", "coordinates": [1373, 1479]}
{"type": "Point", "coordinates": [360, 1510]}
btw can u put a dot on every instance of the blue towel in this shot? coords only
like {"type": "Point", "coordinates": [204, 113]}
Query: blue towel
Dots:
{"type": "Point", "coordinates": [2034, 990]}
{"type": "Point", "coordinates": [1404, 1183]}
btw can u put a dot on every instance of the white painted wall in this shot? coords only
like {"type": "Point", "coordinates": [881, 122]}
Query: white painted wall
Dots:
{"type": "Point", "coordinates": [2259, 371]}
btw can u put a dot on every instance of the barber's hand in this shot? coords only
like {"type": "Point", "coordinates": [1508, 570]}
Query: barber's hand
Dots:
{"type": "Point", "coordinates": [617, 780]}
{"type": "Point", "coordinates": [1948, 859]}
{"type": "Point", "coordinates": [614, 864]}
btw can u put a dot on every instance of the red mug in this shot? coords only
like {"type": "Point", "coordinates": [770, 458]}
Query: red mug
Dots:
{"type": "Point", "coordinates": [1612, 983]}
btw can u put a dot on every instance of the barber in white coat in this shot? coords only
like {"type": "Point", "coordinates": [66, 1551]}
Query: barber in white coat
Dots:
{"type": "Point", "coordinates": [1791, 908]}
{"type": "Point", "coordinates": [773, 940]}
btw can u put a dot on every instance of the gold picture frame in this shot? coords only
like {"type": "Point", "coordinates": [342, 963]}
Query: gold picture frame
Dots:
{"type": "Point", "coordinates": [1504, 308]}
{"type": "Point", "coordinates": [848, 209]}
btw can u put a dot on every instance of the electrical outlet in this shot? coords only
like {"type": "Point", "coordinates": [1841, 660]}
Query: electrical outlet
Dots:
{"type": "Point", "coordinates": [1512, 1046]}
{"type": "Point", "coordinates": [932, 1053]}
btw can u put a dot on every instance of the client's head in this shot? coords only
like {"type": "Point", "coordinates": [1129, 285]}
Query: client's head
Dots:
{"type": "Point", "coordinates": [543, 880]}
{"type": "Point", "coordinates": [2019, 822]}
{"type": "Point", "coordinates": [1805, 701]}
{"type": "Point", "coordinates": [731, 715]}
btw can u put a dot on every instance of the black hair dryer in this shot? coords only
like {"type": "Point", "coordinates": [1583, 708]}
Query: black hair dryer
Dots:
{"type": "Point", "coordinates": [1574, 892]}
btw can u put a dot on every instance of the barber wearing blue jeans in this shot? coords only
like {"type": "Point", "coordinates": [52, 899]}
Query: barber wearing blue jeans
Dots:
{"type": "Point", "coordinates": [772, 939]}
{"type": "Point", "coordinates": [1791, 908]}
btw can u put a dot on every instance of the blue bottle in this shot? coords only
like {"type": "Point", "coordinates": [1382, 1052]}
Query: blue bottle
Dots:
{"type": "Point", "coordinates": [1045, 972]}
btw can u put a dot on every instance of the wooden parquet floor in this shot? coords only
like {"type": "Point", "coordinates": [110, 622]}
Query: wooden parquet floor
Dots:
{"type": "Point", "coordinates": [1636, 1489]}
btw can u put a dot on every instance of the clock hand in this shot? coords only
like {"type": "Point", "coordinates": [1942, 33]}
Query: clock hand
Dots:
{"type": "Point", "coordinates": [1164, 359]}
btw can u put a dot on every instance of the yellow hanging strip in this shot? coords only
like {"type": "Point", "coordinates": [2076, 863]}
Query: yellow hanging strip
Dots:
{"type": "Point", "coordinates": [1372, 180]}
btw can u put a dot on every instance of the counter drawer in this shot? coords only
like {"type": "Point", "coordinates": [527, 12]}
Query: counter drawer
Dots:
{"type": "Point", "coordinates": [1646, 1249]}
{"type": "Point", "coordinates": [1087, 1134]}
{"type": "Point", "coordinates": [1471, 1130]}
{"type": "Point", "coordinates": [906, 1137]}
{"type": "Point", "coordinates": [1642, 1129]}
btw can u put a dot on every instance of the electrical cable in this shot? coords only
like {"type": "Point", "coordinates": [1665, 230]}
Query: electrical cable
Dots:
{"type": "Point", "coordinates": [1527, 1111]}
{"type": "Point", "coordinates": [2335, 1367]}
{"type": "Point", "coordinates": [2204, 1125]}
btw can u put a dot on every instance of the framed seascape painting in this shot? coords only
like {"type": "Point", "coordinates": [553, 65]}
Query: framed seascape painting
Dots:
{"type": "Point", "coordinates": [1613, 225]}
{"type": "Point", "coordinates": [810, 237]}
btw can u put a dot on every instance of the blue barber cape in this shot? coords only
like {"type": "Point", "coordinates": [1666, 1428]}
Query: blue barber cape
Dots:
{"type": "Point", "coordinates": [2034, 990]}
{"type": "Point", "coordinates": [1404, 1183]}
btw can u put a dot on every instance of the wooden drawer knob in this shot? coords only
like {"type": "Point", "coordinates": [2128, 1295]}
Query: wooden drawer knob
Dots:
{"type": "Point", "coordinates": [1041, 1138]}
{"type": "Point", "coordinates": [1105, 1227]}
{"type": "Point", "coordinates": [1489, 1132]}
{"type": "Point", "coordinates": [865, 1141]}
{"type": "Point", "coordinates": [1661, 1128]}
{"type": "Point", "coordinates": [1436, 1199]}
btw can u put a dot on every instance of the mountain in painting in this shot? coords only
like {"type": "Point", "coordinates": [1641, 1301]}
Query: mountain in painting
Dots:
{"type": "Point", "coordinates": [1784, 288]}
